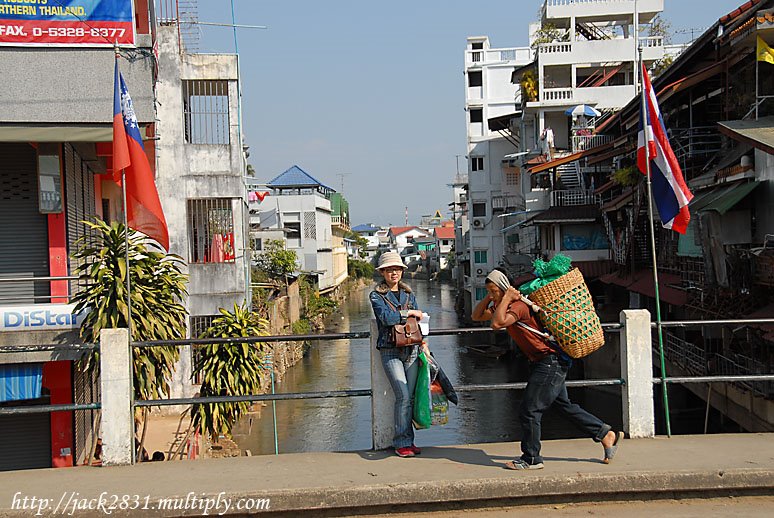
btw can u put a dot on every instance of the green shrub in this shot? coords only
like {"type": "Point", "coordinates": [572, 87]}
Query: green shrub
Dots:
{"type": "Point", "coordinates": [360, 269]}
{"type": "Point", "coordinates": [228, 370]}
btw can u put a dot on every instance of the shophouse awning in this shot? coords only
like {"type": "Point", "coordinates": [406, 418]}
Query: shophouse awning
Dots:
{"type": "Point", "coordinates": [573, 214]}
{"type": "Point", "coordinates": [758, 133]}
{"type": "Point", "coordinates": [642, 282]}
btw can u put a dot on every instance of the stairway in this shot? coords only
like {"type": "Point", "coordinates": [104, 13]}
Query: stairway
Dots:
{"type": "Point", "coordinates": [600, 76]}
{"type": "Point", "coordinates": [591, 32]}
{"type": "Point", "coordinates": [570, 176]}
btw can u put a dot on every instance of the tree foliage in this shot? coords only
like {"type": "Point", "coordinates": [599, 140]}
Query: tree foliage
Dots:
{"type": "Point", "coordinates": [359, 269]}
{"type": "Point", "coordinates": [276, 260]}
{"type": "Point", "coordinates": [549, 33]}
{"type": "Point", "coordinates": [229, 370]}
{"type": "Point", "coordinates": [157, 288]}
{"type": "Point", "coordinates": [360, 242]}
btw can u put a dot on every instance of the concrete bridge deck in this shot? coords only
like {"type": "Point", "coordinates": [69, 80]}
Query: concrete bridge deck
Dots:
{"type": "Point", "coordinates": [443, 477]}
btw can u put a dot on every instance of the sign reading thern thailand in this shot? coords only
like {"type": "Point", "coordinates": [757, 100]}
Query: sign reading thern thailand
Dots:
{"type": "Point", "coordinates": [66, 22]}
{"type": "Point", "coordinates": [38, 317]}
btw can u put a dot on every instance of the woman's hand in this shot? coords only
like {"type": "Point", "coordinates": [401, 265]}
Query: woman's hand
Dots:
{"type": "Point", "coordinates": [414, 313]}
{"type": "Point", "coordinates": [425, 349]}
{"type": "Point", "coordinates": [511, 294]}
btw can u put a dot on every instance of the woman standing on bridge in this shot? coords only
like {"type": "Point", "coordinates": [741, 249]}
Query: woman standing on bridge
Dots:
{"type": "Point", "coordinates": [393, 302]}
{"type": "Point", "coordinates": [548, 367]}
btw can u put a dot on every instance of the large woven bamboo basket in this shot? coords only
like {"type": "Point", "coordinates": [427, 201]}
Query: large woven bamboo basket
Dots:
{"type": "Point", "coordinates": [569, 314]}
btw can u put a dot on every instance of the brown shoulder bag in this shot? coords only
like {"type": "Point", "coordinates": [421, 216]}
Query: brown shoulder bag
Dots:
{"type": "Point", "coordinates": [403, 335]}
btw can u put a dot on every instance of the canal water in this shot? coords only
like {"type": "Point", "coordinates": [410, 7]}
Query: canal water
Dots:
{"type": "Point", "coordinates": [344, 424]}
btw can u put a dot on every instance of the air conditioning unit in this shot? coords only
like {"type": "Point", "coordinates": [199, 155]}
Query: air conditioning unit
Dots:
{"type": "Point", "coordinates": [480, 272]}
{"type": "Point", "coordinates": [478, 223]}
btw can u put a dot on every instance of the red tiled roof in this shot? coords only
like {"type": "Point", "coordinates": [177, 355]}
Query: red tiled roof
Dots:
{"type": "Point", "coordinates": [396, 231]}
{"type": "Point", "coordinates": [444, 232]}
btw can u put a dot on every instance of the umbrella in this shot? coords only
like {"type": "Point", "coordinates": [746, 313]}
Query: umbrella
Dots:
{"type": "Point", "coordinates": [583, 109]}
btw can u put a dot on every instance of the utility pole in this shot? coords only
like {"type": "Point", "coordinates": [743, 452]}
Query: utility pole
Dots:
{"type": "Point", "coordinates": [406, 216]}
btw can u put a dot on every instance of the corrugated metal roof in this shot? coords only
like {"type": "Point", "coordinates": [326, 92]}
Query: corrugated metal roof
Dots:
{"type": "Point", "coordinates": [758, 133]}
{"type": "Point", "coordinates": [296, 177]}
{"type": "Point", "coordinates": [729, 199]}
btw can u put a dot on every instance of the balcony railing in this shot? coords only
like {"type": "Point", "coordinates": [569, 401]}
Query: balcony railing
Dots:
{"type": "Point", "coordinates": [489, 56]}
{"type": "Point", "coordinates": [556, 94]}
{"type": "Point", "coordinates": [574, 198]}
{"type": "Point", "coordinates": [650, 42]}
{"type": "Point", "coordinates": [338, 220]}
{"type": "Point", "coordinates": [555, 48]}
{"type": "Point", "coordinates": [507, 202]}
{"type": "Point", "coordinates": [582, 142]}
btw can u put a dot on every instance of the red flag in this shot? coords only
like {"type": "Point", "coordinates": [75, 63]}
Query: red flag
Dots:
{"type": "Point", "coordinates": [143, 210]}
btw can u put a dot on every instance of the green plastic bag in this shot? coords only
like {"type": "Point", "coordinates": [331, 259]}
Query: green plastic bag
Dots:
{"type": "Point", "coordinates": [423, 411]}
{"type": "Point", "coordinates": [546, 272]}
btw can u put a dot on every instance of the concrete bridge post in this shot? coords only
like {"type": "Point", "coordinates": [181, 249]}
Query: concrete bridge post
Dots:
{"type": "Point", "coordinates": [637, 371]}
{"type": "Point", "coordinates": [382, 399]}
{"type": "Point", "coordinates": [115, 360]}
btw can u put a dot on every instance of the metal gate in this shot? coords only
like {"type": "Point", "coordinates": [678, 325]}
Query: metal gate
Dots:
{"type": "Point", "coordinates": [23, 229]}
{"type": "Point", "coordinates": [26, 441]}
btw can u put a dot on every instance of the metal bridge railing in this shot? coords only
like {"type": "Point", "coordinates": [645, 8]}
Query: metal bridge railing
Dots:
{"type": "Point", "coordinates": [611, 327]}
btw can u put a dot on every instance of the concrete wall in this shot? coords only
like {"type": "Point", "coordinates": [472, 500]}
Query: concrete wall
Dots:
{"type": "Point", "coordinates": [199, 171]}
{"type": "Point", "coordinates": [78, 88]}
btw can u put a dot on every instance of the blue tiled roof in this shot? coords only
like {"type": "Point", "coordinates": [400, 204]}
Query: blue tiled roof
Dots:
{"type": "Point", "coordinates": [296, 177]}
{"type": "Point", "coordinates": [365, 228]}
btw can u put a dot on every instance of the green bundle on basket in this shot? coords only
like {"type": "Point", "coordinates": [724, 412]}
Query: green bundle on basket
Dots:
{"type": "Point", "coordinates": [567, 310]}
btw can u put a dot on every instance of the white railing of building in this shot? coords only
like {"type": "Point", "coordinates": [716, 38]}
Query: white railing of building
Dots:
{"type": "Point", "coordinates": [581, 2]}
{"type": "Point", "coordinates": [564, 198]}
{"type": "Point", "coordinates": [652, 41]}
{"type": "Point", "coordinates": [555, 48]}
{"type": "Point", "coordinates": [556, 94]}
{"type": "Point", "coordinates": [491, 56]}
{"type": "Point", "coordinates": [506, 202]}
{"type": "Point", "coordinates": [582, 142]}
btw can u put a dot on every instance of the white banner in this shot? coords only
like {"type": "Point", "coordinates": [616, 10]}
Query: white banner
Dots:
{"type": "Point", "coordinates": [37, 317]}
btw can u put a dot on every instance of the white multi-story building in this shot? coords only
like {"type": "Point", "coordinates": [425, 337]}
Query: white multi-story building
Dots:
{"type": "Point", "coordinates": [583, 52]}
{"type": "Point", "coordinates": [591, 65]}
{"type": "Point", "coordinates": [300, 206]}
{"type": "Point", "coordinates": [492, 104]}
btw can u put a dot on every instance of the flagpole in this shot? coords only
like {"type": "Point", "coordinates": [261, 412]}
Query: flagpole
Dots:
{"type": "Point", "coordinates": [653, 247]}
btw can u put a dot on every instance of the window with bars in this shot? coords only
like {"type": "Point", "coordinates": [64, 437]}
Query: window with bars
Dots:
{"type": "Point", "coordinates": [210, 231]}
{"type": "Point", "coordinates": [310, 225]}
{"type": "Point", "coordinates": [205, 112]}
{"type": "Point", "coordinates": [199, 325]}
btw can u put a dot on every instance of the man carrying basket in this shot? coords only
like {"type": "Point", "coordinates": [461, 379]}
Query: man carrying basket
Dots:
{"type": "Point", "coordinates": [546, 386]}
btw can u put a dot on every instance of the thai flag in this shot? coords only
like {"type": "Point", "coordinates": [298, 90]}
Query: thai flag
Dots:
{"type": "Point", "coordinates": [670, 192]}
{"type": "Point", "coordinates": [143, 210]}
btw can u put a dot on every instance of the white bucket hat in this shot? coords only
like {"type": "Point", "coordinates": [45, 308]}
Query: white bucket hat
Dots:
{"type": "Point", "coordinates": [388, 259]}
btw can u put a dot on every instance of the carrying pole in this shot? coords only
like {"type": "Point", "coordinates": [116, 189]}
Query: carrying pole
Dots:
{"type": "Point", "coordinates": [646, 132]}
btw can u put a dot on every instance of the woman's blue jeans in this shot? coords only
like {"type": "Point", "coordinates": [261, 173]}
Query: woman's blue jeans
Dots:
{"type": "Point", "coordinates": [546, 387]}
{"type": "Point", "coordinates": [401, 367]}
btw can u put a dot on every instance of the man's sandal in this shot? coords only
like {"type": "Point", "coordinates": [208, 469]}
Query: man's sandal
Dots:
{"type": "Point", "coordinates": [610, 452]}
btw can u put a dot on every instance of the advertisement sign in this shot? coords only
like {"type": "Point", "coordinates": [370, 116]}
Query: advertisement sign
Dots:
{"type": "Point", "coordinates": [40, 317]}
{"type": "Point", "coordinates": [66, 22]}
